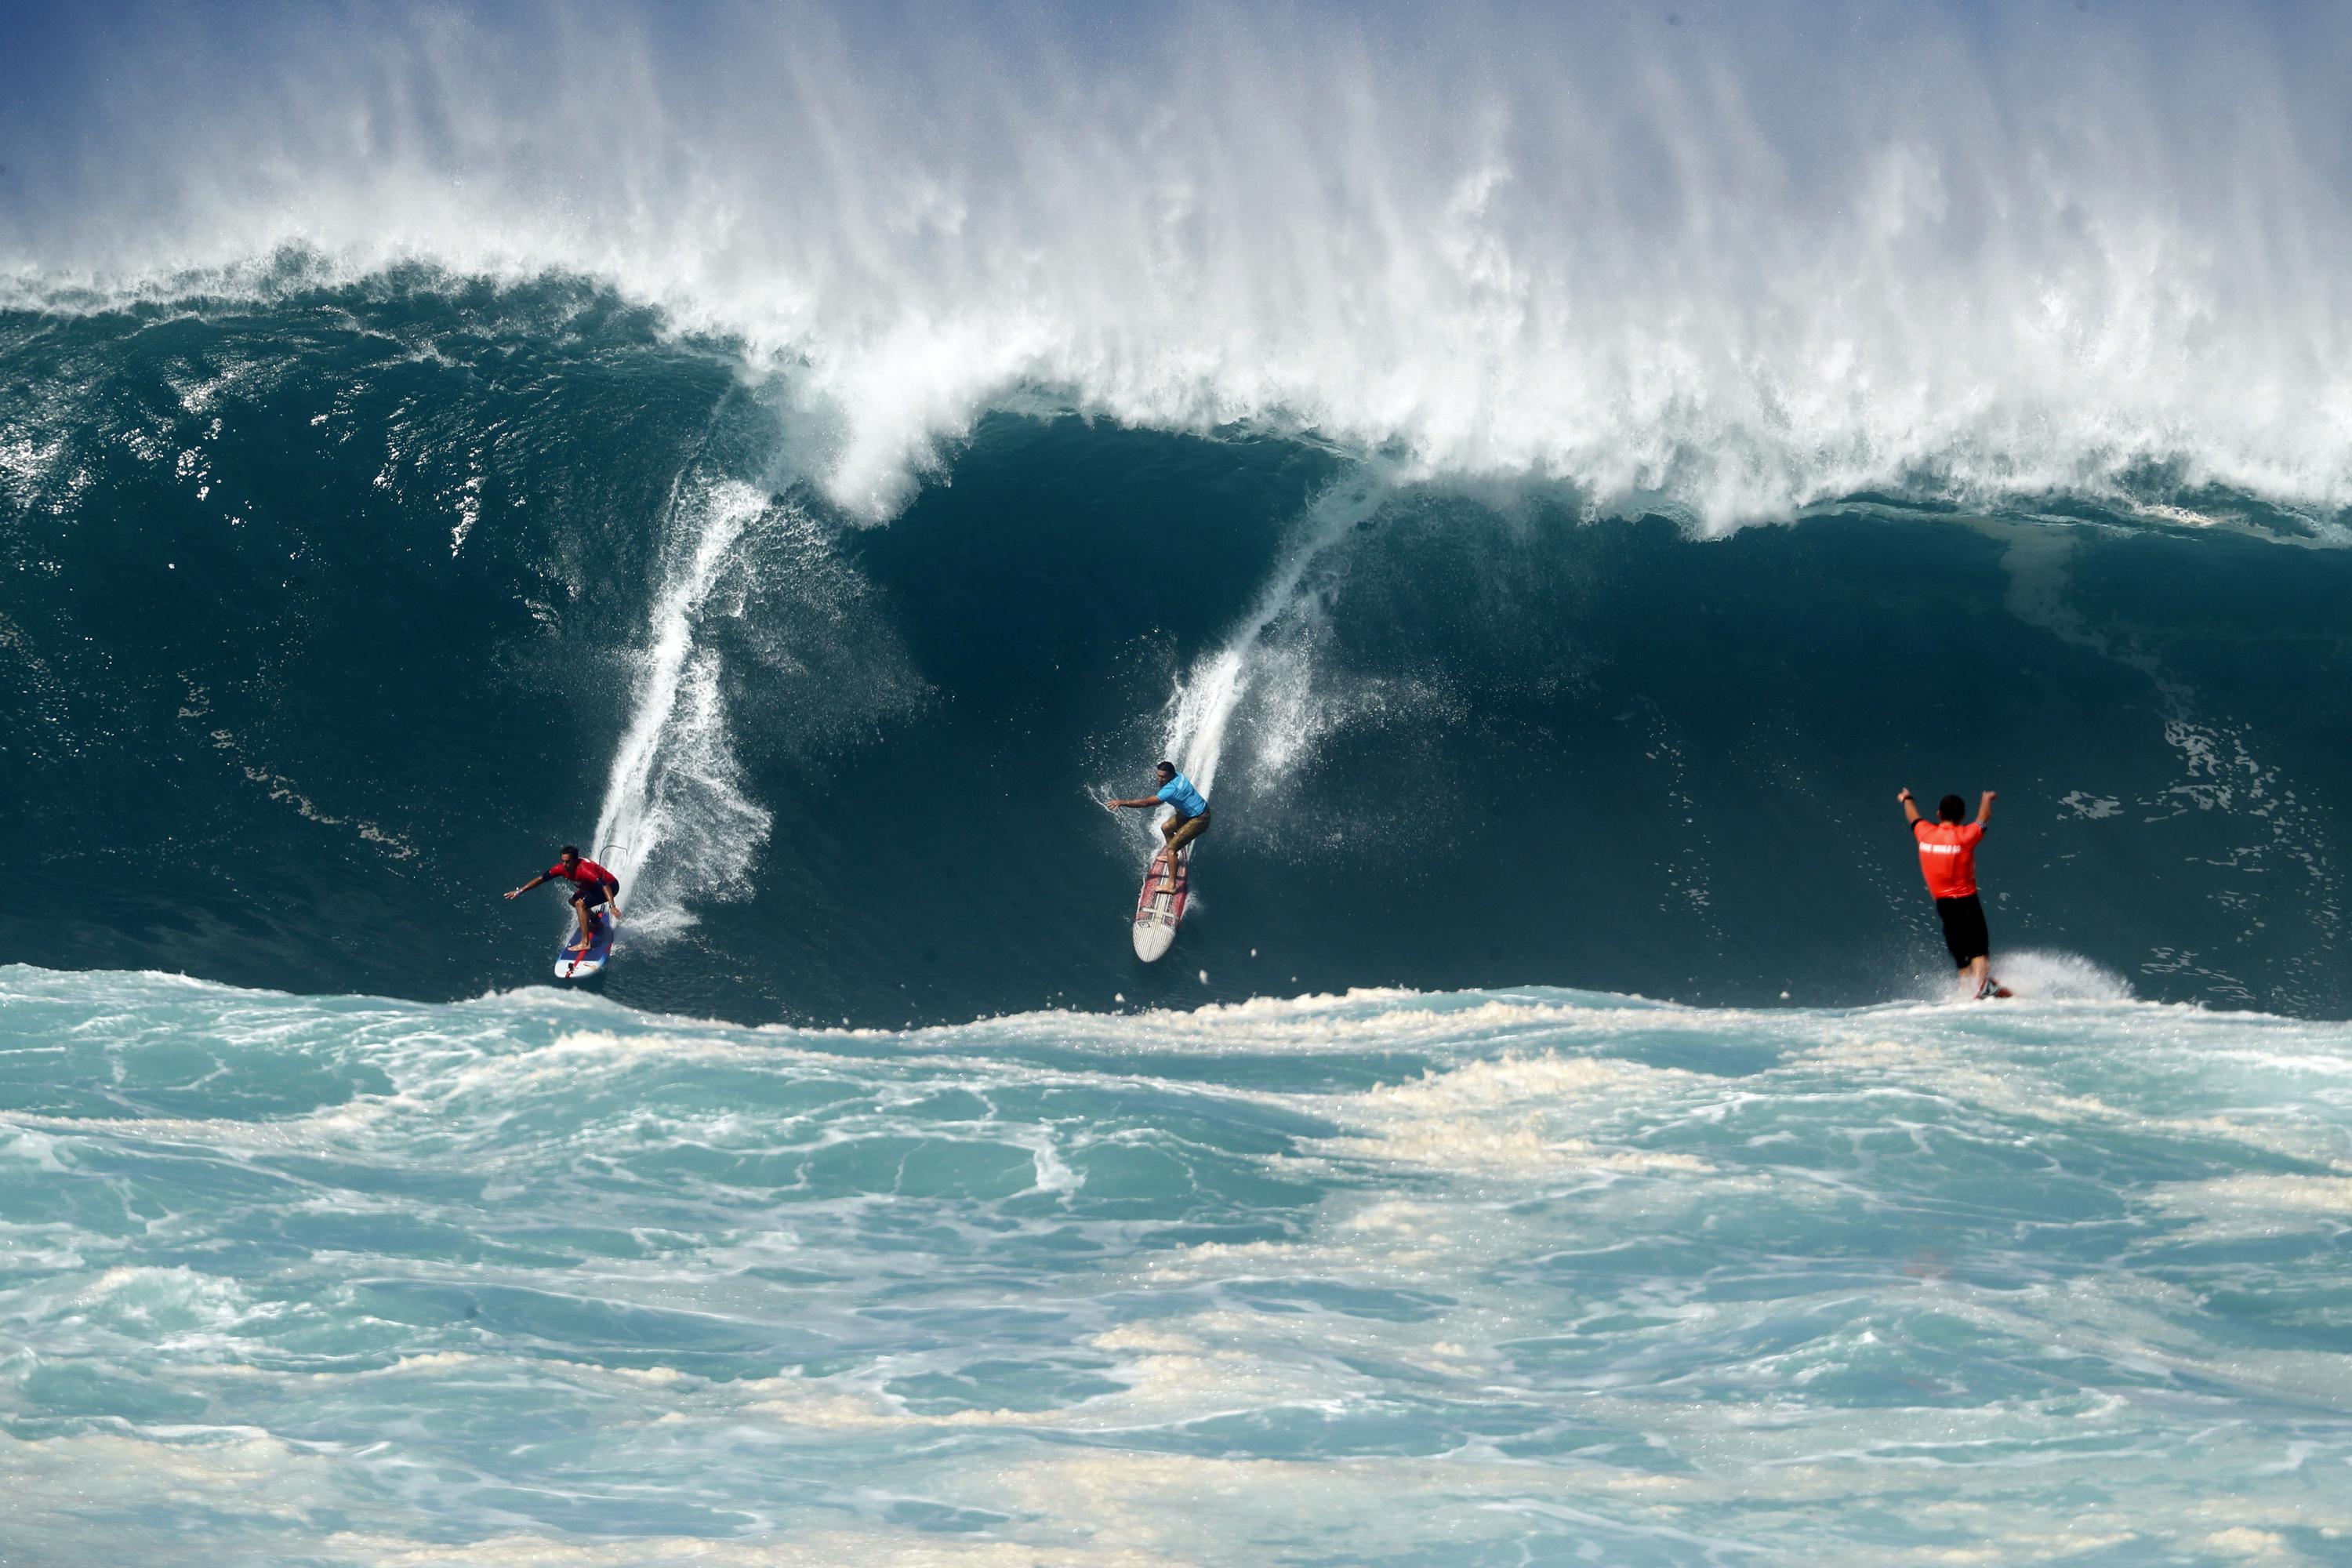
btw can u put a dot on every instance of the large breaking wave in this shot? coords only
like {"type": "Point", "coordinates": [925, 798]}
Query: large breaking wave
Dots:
{"type": "Point", "coordinates": [433, 435]}
{"type": "Point", "coordinates": [1729, 258]}
{"type": "Point", "coordinates": [329, 616]}
{"type": "Point", "coordinates": [812, 457]}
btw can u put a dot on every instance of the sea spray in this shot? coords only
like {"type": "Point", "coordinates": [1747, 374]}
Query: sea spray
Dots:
{"type": "Point", "coordinates": [1201, 707]}
{"type": "Point", "coordinates": [676, 822]}
{"type": "Point", "coordinates": [1740, 257]}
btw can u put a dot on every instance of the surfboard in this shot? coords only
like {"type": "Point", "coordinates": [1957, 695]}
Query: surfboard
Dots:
{"type": "Point", "coordinates": [572, 963]}
{"type": "Point", "coordinates": [1157, 911]}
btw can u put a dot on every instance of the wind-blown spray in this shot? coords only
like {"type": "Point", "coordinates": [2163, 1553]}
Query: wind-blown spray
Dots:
{"type": "Point", "coordinates": [675, 821]}
{"type": "Point", "coordinates": [1201, 710]}
{"type": "Point", "coordinates": [1743, 258]}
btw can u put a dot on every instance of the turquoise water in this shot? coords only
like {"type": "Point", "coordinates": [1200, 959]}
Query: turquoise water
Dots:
{"type": "Point", "coordinates": [1503, 1276]}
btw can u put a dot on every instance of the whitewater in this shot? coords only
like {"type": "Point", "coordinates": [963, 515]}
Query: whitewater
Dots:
{"type": "Point", "coordinates": [1551, 474]}
{"type": "Point", "coordinates": [1511, 1275]}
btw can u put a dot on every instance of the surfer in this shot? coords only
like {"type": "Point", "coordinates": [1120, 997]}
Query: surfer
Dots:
{"type": "Point", "coordinates": [1192, 809]}
{"type": "Point", "coordinates": [592, 885]}
{"type": "Point", "coordinates": [1947, 857]}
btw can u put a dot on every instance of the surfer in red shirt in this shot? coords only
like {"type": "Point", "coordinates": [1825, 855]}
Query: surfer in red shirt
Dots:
{"type": "Point", "coordinates": [1947, 857]}
{"type": "Point", "coordinates": [592, 885]}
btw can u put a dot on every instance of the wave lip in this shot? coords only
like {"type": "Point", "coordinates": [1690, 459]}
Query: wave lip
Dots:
{"type": "Point", "coordinates": [1733, 265]}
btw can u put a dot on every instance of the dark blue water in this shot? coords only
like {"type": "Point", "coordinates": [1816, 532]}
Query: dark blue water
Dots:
{"type": "Point", "coordinates": [325, 618]}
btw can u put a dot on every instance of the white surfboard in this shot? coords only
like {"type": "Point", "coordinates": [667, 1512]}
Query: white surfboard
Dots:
{"type": "Point", "coordinates": [1158, 910]}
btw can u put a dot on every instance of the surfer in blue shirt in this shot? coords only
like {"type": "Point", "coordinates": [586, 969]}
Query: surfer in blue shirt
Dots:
{"type": "Point", "coordinates": [1192, 809]}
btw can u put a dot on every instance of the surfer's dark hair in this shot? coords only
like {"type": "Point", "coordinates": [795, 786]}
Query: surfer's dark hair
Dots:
{"type": "Point", "coordinates": [1165, 766]}
{"type": "Point", "coordinates": [573, 849]}
{"type": "Point", "coordinates": [1952, 808]}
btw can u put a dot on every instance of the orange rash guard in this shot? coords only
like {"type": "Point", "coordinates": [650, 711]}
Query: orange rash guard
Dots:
{"type": "Point", "coordinates": [1947, 856]}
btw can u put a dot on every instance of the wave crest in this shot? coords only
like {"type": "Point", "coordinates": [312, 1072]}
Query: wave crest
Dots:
{"type": "Point", "coordinates": [1730, 262]}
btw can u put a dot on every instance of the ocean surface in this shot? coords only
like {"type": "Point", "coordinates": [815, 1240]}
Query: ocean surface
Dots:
{"type": "Point", "coordinates": [1551, 475]}
{"type": "Point", "coordinates": [1495, 1277]}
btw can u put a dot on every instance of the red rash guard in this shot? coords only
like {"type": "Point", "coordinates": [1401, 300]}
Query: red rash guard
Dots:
{"type": "Point", "coordinates": [587, 872]}
{"type": "Point", "coordinates": [1947, 856]}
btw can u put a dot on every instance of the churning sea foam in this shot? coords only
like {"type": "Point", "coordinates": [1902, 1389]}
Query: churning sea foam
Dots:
{"type": "Point", "coordinates": [1738, 258]}
{"type": "Point", "coordinates": [1485, 1277]}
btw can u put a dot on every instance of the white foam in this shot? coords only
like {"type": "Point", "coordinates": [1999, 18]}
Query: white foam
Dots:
{"type": "Point", "coordinates": [1473, 1297]}
{"type": "Point", "coordinates": [2034, 975]}
{"type": "Point", "coordinates": [838, 1548]}
{"type": "Point", "coordinates": [1508, 1079]}
{"type": "Point", "coordinates": [1735, 265]}
{"type": "Point", "coordinates": [2264, 1203]}
{"type": "Point", "coordinates": [1512, 1114]}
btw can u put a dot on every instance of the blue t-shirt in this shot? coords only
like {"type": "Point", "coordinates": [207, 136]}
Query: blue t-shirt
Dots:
{"type": "Point", "coordinates": [1179, 792]}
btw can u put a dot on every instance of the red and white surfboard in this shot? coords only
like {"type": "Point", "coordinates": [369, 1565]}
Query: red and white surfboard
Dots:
{"type": "Point", "coordinates": [1158, 908]}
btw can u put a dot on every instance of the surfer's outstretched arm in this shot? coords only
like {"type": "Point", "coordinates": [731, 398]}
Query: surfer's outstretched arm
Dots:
{"type": "Point", "coordinates": [1984, 808]}
{"type": "Point", "coordinates": [527, 887]}
{"type": "Point", "coordinates": [1910, 806]}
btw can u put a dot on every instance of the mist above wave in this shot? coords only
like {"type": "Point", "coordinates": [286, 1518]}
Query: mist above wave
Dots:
{"type": "Point", "coordinates": [1737, 258]}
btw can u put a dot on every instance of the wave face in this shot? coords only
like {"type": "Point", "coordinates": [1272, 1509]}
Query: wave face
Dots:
{"type": "Point", "coordinates": [1742, 257]}
{"type": "Point", "coordinates": [328, 619]}
{"type": "Point", "coordinates": [1528, 1276]}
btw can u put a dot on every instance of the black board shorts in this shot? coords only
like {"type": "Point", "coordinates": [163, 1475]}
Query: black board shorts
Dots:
{"type": "Point", "coordinates": [1963, 929]}
{"type": "Point", "coordinates": [591, 893]}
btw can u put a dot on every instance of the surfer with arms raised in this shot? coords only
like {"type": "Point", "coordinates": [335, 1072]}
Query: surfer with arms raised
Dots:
{"type": "Point", "coordinates": [592, 885]}
{"type": "Point", "coordinates": [1947, 857]}
{"type": "Point", "coordinates": [1192, 809]}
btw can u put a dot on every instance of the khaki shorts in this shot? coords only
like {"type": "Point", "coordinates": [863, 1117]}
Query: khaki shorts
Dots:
{"type": "Point", "coordinates": [1182, 830]}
